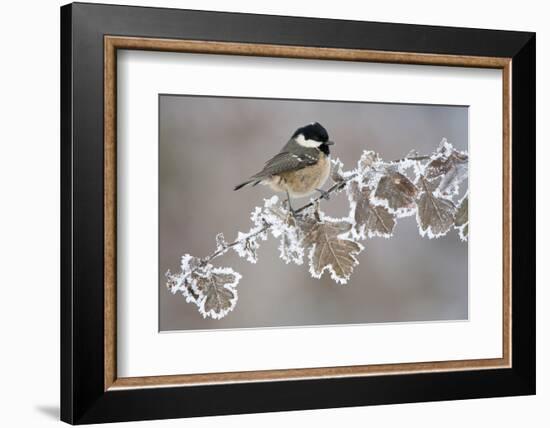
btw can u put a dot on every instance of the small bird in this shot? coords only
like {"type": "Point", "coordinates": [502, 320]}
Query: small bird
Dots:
{"type": "Point", "coordinates": [301, 167]}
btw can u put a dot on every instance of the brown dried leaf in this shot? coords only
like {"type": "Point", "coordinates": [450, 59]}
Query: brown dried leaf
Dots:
{"type": "Point", "coordinates": [336, 171]}
{"type": "Point", "coordinates": [461, 219]}
{"type": "Point", "coordinates": [397, 190]}
{"type": "Point", "coordinates": [452, 168]}
{"type": "Point", "coordinates": [329, 251]}
{"type": "Point", "coordinates": [290, 247]}
{"type": "Point", "coordinates": [370, 219]}
{"type": "Point", "coordinates": [435, 215]}
{"type": "Point", "coordinates": [367, 159]}
{"type": "Point", "coordinates": [216, 291]}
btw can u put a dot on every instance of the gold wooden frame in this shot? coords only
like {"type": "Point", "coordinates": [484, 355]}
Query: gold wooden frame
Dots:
{"type": "Point", "coordinates": [112, 43]}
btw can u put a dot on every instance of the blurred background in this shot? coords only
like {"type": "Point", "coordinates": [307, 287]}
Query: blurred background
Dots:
{"type": "Point", "coordinates": [210, 144]}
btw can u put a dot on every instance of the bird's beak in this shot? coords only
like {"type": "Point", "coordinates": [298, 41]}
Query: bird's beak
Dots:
{"type": "Point", "coordinates": [329, 143]}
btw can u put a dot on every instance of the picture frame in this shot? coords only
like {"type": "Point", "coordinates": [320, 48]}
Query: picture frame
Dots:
{"type": "Point", "coordinates": [91, 390]}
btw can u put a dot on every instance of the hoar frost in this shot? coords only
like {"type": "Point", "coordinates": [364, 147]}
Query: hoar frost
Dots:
{"type": "Point", "coordinates": [212, 289]}
{"type": "Point", "coordinates": [378, 192]}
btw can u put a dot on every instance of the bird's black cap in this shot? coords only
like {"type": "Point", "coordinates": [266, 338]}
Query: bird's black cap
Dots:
{"type": "Point", "coordinates": [314, 131]}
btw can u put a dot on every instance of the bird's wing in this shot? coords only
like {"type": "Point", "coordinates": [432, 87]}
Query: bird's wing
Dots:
{"type": "Point", "coordinates": [286, 161]}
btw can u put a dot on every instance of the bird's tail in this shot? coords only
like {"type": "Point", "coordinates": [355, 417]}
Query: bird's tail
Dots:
{"type": "Point", "coordinates": [253, 181]}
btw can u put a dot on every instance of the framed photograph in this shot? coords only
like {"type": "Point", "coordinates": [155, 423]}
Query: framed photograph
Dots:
{"type": "Point", "coordinates": [266, 213]}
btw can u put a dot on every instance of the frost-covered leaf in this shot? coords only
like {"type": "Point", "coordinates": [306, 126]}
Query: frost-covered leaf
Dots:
{"type": "Point", "coordinates": [284, 228]}
{"type": "Point", "coordinates": [367, 160]}
{"type": "Point", "coordinates": [172, 281]}
{"type": "Point", "coordinates": [180, 282]}
{"type": "Point", "coordinates": [221, 244]}
{"type": "Point", "coordinates": [329, 250]}
{"type": "Point", "coordinates": [260, 219]}
{"type": "Point", "coordinates": [337, 171]}
{"type": "Point", "coordinates": [396, 192]}
{"type": "Point", "coordinates": [370, 220]}
{"type": "Point", "coordinates": [212, 289]}
{"type": "Point", "coordinates": [189, 263]}
{"type": "Point", "coordinates": [449, 164]}
{"type": "Point", "coordinates": [435, 214]}
{"type": "Point", "coordinates": [281, 224]}
{"type": "Point", "coordinates": [216, 290]}
{"type": "Point", "coordinates": [463, 232]}
{"type": "Point", "coordinates": [247, 246]}
{"type": "Point", "coordinates": [461, 219]}
{"type": "Point", "coordinates": [267, 215]}
{"type": "Point", "coordinates": [369, 168]}
{"type": "Point", "coordinates": [290, 248]}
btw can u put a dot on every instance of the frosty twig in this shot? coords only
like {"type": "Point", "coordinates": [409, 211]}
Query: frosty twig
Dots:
{"type": "Point", "coordinates": [220, 251]}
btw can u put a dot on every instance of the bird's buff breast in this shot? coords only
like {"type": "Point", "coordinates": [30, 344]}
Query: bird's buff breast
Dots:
{"type": "Point", "coordinates": [302, 182]}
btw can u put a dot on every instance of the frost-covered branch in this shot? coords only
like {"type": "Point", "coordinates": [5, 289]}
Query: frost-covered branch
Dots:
{"type": "Point", "coordinates": [378, 193]}
{"type": "Point", "coordinates": [222, 247]}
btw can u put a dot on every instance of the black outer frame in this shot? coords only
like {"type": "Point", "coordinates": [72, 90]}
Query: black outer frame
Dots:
{"type": "Point", "coordinates": [83, 399]}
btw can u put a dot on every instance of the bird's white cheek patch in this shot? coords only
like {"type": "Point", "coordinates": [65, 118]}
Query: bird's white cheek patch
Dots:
{"type": "Point", "coordinates": [301, 140]}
